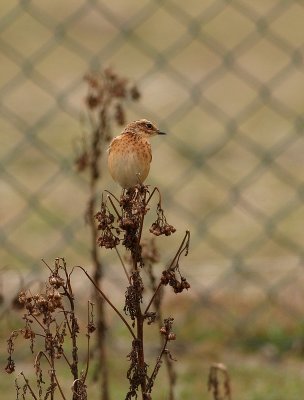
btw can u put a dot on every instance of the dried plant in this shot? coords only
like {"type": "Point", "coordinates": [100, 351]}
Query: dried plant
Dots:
{"type": "Point", "coordinates": [150, 257]}
{"type": "Point", "coordinates": [122, 222]}
{"type": "Point", "coordinates": [107, 92]}
{"type": "Point", "coordinates": [215, 382]}
{"type": "Point", "coordinates": [50, 315]}
{"type": "Point", "coordinates": [51, 328]}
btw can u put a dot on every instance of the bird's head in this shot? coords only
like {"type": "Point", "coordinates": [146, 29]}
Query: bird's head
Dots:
{"type": "Point", "coordinates": [144, 128]}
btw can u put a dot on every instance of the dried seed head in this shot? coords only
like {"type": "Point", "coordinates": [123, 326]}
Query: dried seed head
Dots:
{"type": "Point", "coordinates": [56, 281]}
{"type": "Point", "coordinates": [161, 226]}
{"type": "Point", "coordinates": [165, 278]}
{"type": "Point", "coordinates": [10, 367]}
{"type": "Point", "coordinates": [28, 333]}
{"type": "Point", "coordinates": [22, 298]}
{"type": "Point", "coordinates": [91, 327]}
{"type": "Point", "coordinates": [171, 336]}
{"type": "Point", "coordinates": [127, 223]}
{"type": "Point", "coordinates": [151, 317]}
{"type": "Point", "coordinates": [185, 284]}
{"type": "Point", "coordinates": [57, 295]}
{"type": "Point", "coordinates": [163, 330]}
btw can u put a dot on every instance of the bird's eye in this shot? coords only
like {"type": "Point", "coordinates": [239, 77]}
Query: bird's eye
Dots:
{"type": "Point", "coordinates": [149, 126]}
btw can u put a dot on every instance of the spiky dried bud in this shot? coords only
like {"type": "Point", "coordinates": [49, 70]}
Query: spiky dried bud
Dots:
{"type": "Point", "coordinates": [42, 301]}
{"type": "Point", "coordinates": [29, 306]}
{"type": "Point", "coordinates": [185, 284]}
{"type": "Point", "coordinates": [165, 277]}
{"type": "Point", "coordinates": [163, 330]}
{"type": "Point", "coordinates": [127, 223]}
{"type": "Point", "coordinates": [56, 295]}
{"type": "Point", "coordinates": [161, 226]}
{"type": "Point", "coordinates": [171, 336]}
{"type": "Point", "coordinates": [10, 367]}
{"type": "Point", "coordinates": [28, 333]}
{"type": "Point", "coordinates": [22, 297]}
{"type": "Point", "coordinates": [16, 305]}
{"type": "Point", "coordinates": [108, 239]}
{"type": "Point", "coordinates": [155, 229]}
{"type": "Point", "coordinates": [56, 281]}
{"type": "Point", "coordinates": [151, 317]}
{"type": "Point", "coordinates": [178, 288]}
{"type": "Point", "coordinates": [91, 327]}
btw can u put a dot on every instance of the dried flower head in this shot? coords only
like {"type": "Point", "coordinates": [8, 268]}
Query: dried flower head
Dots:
{"type": "Point", "coordinates": [161, 226]}
{"type": "Point", "coordinates": [109, 237]}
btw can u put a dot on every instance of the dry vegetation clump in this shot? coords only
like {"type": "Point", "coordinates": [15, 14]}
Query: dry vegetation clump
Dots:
{"type": "Point", "coordinates": [50, 317]}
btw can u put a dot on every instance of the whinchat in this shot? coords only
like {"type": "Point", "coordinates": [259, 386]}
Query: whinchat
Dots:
{"type": "Point", "coordinates": [130, 155]}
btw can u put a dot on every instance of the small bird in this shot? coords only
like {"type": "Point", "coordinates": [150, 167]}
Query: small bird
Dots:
{"type": "Point", "coordinates": [130, 155]}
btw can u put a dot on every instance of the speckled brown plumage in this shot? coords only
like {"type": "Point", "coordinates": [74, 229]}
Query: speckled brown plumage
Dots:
{"type": "Point", "coordinates": [130, 153]}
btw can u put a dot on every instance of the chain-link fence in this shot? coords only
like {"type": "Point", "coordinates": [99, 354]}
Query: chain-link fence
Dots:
{"type": "Point", "coordinates": [224, 78]}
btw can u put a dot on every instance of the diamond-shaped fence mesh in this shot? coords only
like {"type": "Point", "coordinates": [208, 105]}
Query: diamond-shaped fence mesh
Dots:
{"type": "Point", "coordinates": [224, 78]}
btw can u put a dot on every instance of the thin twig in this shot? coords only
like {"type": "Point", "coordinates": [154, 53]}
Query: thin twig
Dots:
{"type": "Point", "coordinates": [112, 195]}
{"type": "Point", "coordinates": [150, 383]}
{"type": "Point", "coordinates": [41, 353]}
{"type": "Point", "coordinates": [152, 298]}
{"type": "Point", "coordinates": [88, 345]}
{"type": "Point", "coordinates": [39, 323]}
{"type": "Point", "coordinates": [113, 205]}
{"type": "Point", "coordinates": [70, 296]}
{"type": "Point", "coordinates": [107, 300]}
{"type": "Point", "coordinates": [46, 264]}
{"type": "Point", "coordinates": [28, 385]}
{"type": "Point", "coordinates": [123, 265]}
{"type": "Point", "coordinates": [66, 359]}
{"type": "Point", "coordinates": [152, 194]}
{"type": "Point", "coordinates": [67, 321]}
{"type": "Point", "coordinates": [180, 250]}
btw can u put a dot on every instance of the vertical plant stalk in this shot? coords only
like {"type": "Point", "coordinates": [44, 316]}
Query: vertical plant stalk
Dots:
{"type": "Point", "coordinates": [157, 302]}
{"type": "Point", "coordinates": [50, 315]}
{"type": "Point", "coordinates": [72, 326]}
{"type": "Point", "coordinates": [127, 229]}
{"type": "Point", "coordinates": [140, 318]}
{"type": "Point", "coordinates": [141, 355]}
{"type": "Point", "coordinates": [106, 93]}
{"type": "Point", "coordinates": [220, 388]}
{"type": "Point", "coordinates": [97, 264]}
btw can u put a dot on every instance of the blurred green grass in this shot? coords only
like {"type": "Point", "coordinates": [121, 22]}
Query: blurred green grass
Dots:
{"type": "Point", "coordinates": [258, 372]}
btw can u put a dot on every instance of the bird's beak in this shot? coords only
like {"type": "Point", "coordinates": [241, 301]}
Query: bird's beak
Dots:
{"type": "Point", "coordinates": [161, 133]}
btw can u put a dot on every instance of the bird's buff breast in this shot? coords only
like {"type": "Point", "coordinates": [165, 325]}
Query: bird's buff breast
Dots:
{"type": "Point", "coordinates": [129, 164]}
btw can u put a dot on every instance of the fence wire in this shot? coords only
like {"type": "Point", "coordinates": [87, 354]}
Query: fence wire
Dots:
{"type": "Point", "coordinates": [224, 78]}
